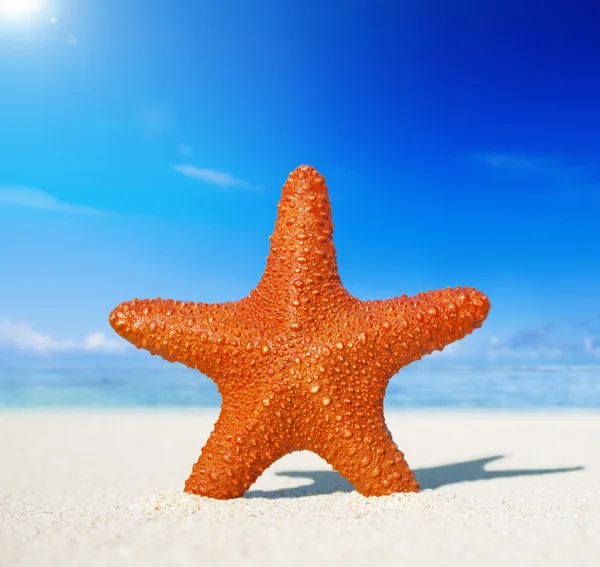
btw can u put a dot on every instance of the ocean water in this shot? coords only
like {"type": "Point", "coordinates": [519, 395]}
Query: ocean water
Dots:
{"type": "Point", "coordinates": [514, 387]}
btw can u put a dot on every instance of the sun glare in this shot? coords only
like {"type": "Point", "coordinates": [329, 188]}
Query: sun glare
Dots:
{"type": "Point", "coordinates": [18, 9]}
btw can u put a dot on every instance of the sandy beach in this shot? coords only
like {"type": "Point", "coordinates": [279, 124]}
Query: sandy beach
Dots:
{"type": "Point", "coordinates": [93, 488]}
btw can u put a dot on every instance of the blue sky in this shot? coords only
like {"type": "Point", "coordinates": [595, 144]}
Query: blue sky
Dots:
{"type": "Point", "coordinates": [143, 146]}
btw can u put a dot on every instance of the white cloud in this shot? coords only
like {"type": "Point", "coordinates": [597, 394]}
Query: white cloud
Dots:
{"type": "Point", "coordinates": [100, 342]}
{"type": "Point", "coordinates": [509, 161]}
{"type": "Point", "coordinates": [548, 342]}
{"type": "Point", "coordinates": [214, 177]}
{"type": "Point", "coordinates": [528, 354]}
{"type": "Point", "coordinates": [562, 181]}
{"type": "Point", "coordinates": [37, 199]}
{"type": "Point", "coordinates": [25, 338]}
{"type": "Point", "coordinates": [591, 347]}
{"type": "Point", "coordinates": [534, 344]}
{"type": "Point", "coordinates": [451, 350]}
{"type": "Point", "coordinates": [550, 170]}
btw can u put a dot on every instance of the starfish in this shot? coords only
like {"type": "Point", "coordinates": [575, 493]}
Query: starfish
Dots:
{"type": "Point", "coordinates": [300, 363]}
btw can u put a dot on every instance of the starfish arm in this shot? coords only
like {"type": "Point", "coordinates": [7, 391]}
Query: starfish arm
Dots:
{"type": "Point", "coordinates": [190, 333]}
{"type": "Point", "coordinates": [368, 458]}
{"type": "Point", "coordinates": [301, 269]}
{"type": "Point", "coordinates": [411, 327]}
{"type": "Point", "coordinates": [243, 444]}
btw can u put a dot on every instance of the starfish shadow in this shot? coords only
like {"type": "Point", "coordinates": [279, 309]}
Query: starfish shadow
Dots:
{"type": "Point", "coordinates": [468, 471]}
{"type": "Point", "coordinates": [330, 482]}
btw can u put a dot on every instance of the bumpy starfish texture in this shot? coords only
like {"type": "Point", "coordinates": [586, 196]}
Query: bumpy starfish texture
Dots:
{"type": "Point", "coordinates": [300, 363]}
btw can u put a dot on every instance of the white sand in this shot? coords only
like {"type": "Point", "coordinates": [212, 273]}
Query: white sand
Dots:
{"type": "Point", "coordinates": [104, 488]}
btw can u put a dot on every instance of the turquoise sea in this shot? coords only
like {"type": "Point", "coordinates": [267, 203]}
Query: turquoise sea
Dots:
{"type": "Point", "coordinates": [516, 387]}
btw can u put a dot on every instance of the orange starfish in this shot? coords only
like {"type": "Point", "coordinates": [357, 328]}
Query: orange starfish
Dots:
{"type": "Point", "coordinates": [300, 363]}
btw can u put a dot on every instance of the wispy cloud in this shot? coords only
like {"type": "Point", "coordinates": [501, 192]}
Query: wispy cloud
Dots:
{"type": "Point", "coordinates": [563, 181]}
{"type": "Point", "coordinates": [530, 344]}
{"type": "Point", "coordinates": [507, 161]}
{"type": "Point", "coordinates": [591, 325]}
{"type": "Point", "coordinates": [540, 166]}
{"type": "Point", "coordinates": [21, 336]}
{"type": "Point", "coordinates": [450, 351]}
{"type": "Point", "coordinates": [592, 347]}
{"type": "Point", "coordinates": [24, 337]}
{"type": "Point", "coordinates": [214, 177]}
{"type": "Point", "coordinates": [37, 199]}
{"type": "Point", "coordinates": [592, 340]}
{"type": "Point", "coordinates": [543, 343]}
{"type": "Point", "coordinates": [99, 342]}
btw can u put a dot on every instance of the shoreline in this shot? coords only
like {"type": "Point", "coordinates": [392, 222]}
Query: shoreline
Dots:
{"type": "Point", "coordinates": [204, 411]}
